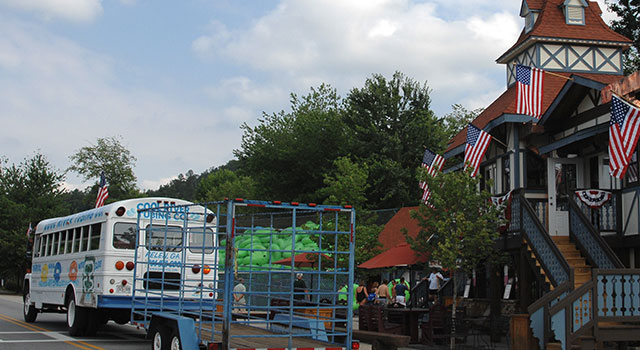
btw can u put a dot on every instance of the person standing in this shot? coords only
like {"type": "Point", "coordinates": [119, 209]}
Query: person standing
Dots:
{"type": "Point", "coordinates": [435, 281]}
{"type": "Point", "coordinates": [299, 288]}
{"type": "Point", "coordinates": [361, 293]}
{"type": "Point", "coordinates": [399, 292]}
{"type": "Point", "coordinates": [383, 293]}
{"type": "Point", "coordinates": [239, 295]}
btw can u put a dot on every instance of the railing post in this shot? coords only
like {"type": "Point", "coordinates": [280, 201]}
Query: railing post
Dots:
{"type": "Point", "coordinates": [520, 333]}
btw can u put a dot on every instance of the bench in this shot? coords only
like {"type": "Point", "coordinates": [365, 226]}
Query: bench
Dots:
{"type": "Point", "coordinates": [381, 341]}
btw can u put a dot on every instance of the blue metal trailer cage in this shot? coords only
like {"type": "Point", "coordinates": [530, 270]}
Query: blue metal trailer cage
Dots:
{"type": "Point", "coordinates": [185, 276]}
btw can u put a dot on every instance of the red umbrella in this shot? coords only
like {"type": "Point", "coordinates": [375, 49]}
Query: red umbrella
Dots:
{"type": "Point", "coordinates": [305, 259]}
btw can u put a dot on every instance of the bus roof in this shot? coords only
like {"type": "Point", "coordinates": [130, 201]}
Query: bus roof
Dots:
{"type": "Point", "coordinates": [103, 213]}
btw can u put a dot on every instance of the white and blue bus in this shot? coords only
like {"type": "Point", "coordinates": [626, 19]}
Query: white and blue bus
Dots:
{"type": "Point", "coordinates": [83, 264]}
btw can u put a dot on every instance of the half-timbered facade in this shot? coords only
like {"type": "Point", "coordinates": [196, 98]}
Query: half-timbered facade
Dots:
{"type": "Point", "coordinates": [566, 249]}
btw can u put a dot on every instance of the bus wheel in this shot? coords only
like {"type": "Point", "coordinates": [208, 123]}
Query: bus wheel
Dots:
{"type": "Point", "coordinates": [175, 342]}
{"type": "Point", "coordinates": [161, 339]}
{"type": "Point", "coordinates": [94, 321]}
{"type": "Point", "coordinates": [30, 312]}
{"type": "Point", "coordinates": [76, 317]}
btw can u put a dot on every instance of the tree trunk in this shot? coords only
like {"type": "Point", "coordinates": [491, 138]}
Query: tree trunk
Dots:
{"type": "Point", "coordinates": [452, 343]}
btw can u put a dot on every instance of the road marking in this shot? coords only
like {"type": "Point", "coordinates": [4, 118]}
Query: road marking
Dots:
{"type": "Point", "coordinates": [71, 341]}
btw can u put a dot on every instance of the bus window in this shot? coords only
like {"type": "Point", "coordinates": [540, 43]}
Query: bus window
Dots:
{"type": "Point", "coordinates": [195, 240]}
{"type": "Point", "coordinates": [124, 235]}
{"type": "Point", "coordinates": [156, 233]}
{"type": "Point", "coordinates": [69, 243]}
{"type": "Point", "coordinates": [36, 247]}
{"type": "Point", "coordinates": [96, 230]}
{"type": "Point", "coordinates": [76, 239]}
{"type": "Point", "coordinates": [84, 241]}
{"type": "Point", "coordinates": [54, 244]}
{"type": "Point", "coordinates": [63, 242]}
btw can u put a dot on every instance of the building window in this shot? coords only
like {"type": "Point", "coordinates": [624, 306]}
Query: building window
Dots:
{"type": "Point", "coordinates": [574, 15]}
{"type": "Point", "coordinates": [488, 181]}
{"type": "Point", "coordinates": [631, 177]}
{"type": "Point", "coordinates": [536, 172]}
{"type": "Point", "coordinates": [506, 174]}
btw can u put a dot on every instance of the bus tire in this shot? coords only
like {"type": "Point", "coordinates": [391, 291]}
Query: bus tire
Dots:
{"type": "Point", "coordinates": [76, 317]}
{"type": "Point", "coordinates": [161, 338]}
{"type": "Point", "coordinates": [30, 312]}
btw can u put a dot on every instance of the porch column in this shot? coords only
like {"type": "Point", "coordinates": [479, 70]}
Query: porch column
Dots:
{"type": "Point", "coordinates": [516, 157]}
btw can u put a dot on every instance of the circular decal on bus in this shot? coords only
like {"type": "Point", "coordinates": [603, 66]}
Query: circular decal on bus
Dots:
{"type": "Point", "coordinates": [73, 271]}
{"type": "Point", "coordinates": [56, 271]}
{"type": "Point", "coordinates": [44, 273]}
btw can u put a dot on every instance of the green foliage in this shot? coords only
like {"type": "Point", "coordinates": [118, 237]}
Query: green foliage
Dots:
{"type": "Point", "coordinates": [391, 123]}
{"type": "Point", "coordinates": [29, 192]}
{"type": "Point", "coordinates": [110, 156]}
{"type": "Point", "coordinates": [628, 24]}
{"type": "Point", "coordinates": [288, 153]}
{"type": "Point", "coordinates": [224, 183]}
{"type": "Point", "coordinates": [459, 118]}
{"type": "Point", "coordinates": [184, 187]}
{"type": "Point", "coordinates": [461, 227]}
{"type": "Point", "coordinates": [346, 184]}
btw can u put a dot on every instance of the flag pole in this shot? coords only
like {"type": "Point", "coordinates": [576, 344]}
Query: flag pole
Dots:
{"type": "Point", "coordinates": [547, 72]}
{"type": "Point", "coordinates": [500, 142]}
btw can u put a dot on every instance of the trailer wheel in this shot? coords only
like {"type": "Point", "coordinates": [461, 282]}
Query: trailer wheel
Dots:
{"type": "Point", "coordinates": [76, 317]}
{"type": "Point", "coordinates": [30, 312]}
{"type": "Point", "coordinates": [161, 338]}
{"type": "Point", "coordinates": [175, 342]}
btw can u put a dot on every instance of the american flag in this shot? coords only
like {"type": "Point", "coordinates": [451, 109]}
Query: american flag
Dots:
{"type": "Point", "coordinates": [623, 135]}
{"type": "Point", "coordinates": [529, 87]}
{"type": "Point", "coordinates": [477, 144]}
{"type": "Point", "coordinates": [433, 163]}
{"type": "Point", "coordinates": [103, 192]}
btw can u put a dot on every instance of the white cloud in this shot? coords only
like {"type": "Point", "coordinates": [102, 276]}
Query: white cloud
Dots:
{"type": "Point", "coordinates": [57, 97]}
{"type": "Point", "coordinates": [69, 10]}
{"type": "Point", "coordinates": [298, 46]}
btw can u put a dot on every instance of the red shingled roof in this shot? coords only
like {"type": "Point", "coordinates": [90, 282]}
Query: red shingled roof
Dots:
{"type": "Point", "coordinates": [506, 103]}
{"type": "Point", "coordinates": [401, 255]}
{"type": "Point", "coordinates": [535, 4]}
{"type": "Point", "coordinates": [551, 24]}
{"type": "Point", "coordinates": [391, 236]}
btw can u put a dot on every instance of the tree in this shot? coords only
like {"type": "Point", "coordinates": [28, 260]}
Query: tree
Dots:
{"type": "Point", "coordinates": [346, 184]}
{"type": "Point", "coordinates": [184, 187]}
{"type": "Point", "coordinates": [108, 155]}
{"type": "Point", "coordinates": [224, 183]}
{"type": "Point", "coordinates": [391, 123]}
{"type": "Point", "coordinates": [458, 119]}
{"type": "Point", "coordinates": [460, 225]}
{"type": "Point", "coordinates": [628, 24]}
{"type": "Point", "coordinates": [29, 192]}
{"type": "Point", "coordinates": [288, 153]}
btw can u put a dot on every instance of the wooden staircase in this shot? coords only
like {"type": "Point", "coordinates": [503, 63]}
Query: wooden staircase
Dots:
{"type": "Point", "coordinates": [581, 271]}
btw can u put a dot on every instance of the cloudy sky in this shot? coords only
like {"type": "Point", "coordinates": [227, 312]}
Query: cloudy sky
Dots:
{"type": "Point", "coordinates": [176, 79]}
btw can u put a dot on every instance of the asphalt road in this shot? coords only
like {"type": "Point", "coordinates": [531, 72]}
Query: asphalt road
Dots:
{"type": "Point", "coordinates": [50, 332]}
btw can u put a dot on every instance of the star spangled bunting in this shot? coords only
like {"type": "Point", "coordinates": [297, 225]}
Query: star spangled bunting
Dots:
{"type": "Point", "coordinates": [103, 192]}
{"type": "Point", "coordinates": [623, 135]}
{"type": "Point", "coordinates": [433, 163]}
{"type": "Point", "coordinates": [477, 144]}
{"type": "Point", "coordinates": [529, 85]}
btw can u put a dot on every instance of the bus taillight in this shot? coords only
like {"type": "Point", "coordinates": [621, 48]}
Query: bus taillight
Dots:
{"type": "Point", "coordinates": [130, 265]}
{"type": "Point", "coordinates": [206, 269]}
{"type": "Point", "coordinates": [120, 211]}
{"type": "Point", "coordinates": [210, 217]}
{"type": "Point", "coordinates": [195, 268]}
{"type": "Point", "coordinates": [119, 265]}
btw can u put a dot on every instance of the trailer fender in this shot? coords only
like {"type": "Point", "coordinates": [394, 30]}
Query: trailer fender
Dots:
{"type": "Point", "coordinates": [184, 327]}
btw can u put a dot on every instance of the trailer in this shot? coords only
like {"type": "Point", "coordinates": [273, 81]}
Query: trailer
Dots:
{"type": "Point", "coordinates": [275, 280]}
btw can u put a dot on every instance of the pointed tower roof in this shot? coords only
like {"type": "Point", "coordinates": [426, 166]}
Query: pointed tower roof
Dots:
{"type": "Point", "coordinates": [551, 25]}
